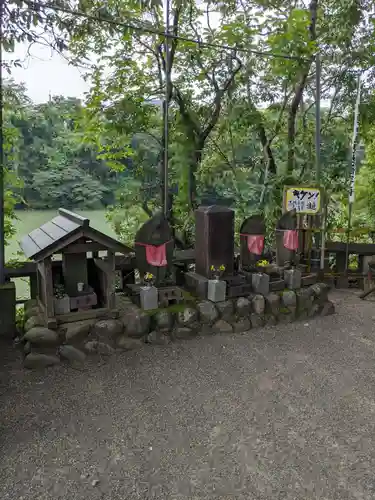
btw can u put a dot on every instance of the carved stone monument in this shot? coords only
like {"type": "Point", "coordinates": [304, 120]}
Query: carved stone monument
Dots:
{"type": "Point", "coordinates": [252, 234]}
{"type": "Point", "coordinates": [154, 247]}
{"type": "Point", "coordinates": [287, 240]}
{"type": "Point", "coordinates": [214, 251]}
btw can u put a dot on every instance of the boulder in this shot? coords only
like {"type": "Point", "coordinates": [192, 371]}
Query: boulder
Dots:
{"type": "Point", "coordinates": [305, 299]}
{"type": "Point", "coordinates": [128, 344]}
{"type": "Point", "coordinates": [95, 347]}
{"type": "Point", "coordinates": [27, 348]}
{"type": "Point", "coordinates": [32, 322]}
{"type": "Point", "coordinates": [242, 325]}
{"type": "Point", "coordinates": [29, 304]}
{"type": "Point", "coordinates": [76, 332]}
{"type": "Point", "coordinates": [163, 320]}
{"type": "Point", "coordinates": [106, 330]}
{"type": "Point", "coordinates": [72, 354]}
{"type": "Point", "coordinates": [272, 303]}
{"type": "Point", "coordinates": [258, 304]}
{"type": "Point", "coordinates": [320, 292]}
{"type": "Point", "coordinates": [243, 306]}
{"type": "Point", "coordinates": [36, 360]}
{"type": "Point", "coordinates": [289, 301]}
{"type": "Point", "coordinates": [30, 312]}
{"type": "Point", "coordinates": [184, 332]}
{"type": "Point", "coordinates": [271, 320]}
{"type": "Point", "coordinates": [226, 309]}
{"type": "Point", "coordinates": [257, 321]}
{"type": "Point", "coordinates": [207, 312]}
{"type": "Point", "coordinates": [187, 317]}
{"type": "Point", "coordinates": [136, 323]}
{"type": "Point", "coordinates": [158, 338]}
{"type": "Point", "coordinates": [222, 326]}
{"type": "Point", "coordinates": [40, 335]}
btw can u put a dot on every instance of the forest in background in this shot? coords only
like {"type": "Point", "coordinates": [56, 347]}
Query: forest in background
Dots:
{"type": "Point", "coordinates": [241, 117]}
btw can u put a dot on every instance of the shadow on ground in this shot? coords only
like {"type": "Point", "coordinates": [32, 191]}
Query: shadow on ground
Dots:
{"type": "Point", "coordinates": [277, 413]}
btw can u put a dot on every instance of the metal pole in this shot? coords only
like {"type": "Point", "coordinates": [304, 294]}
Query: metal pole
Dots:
{"type": "Point", "coordinates": [353, 168]}
{"type": "Point", "coordinates": [2, 170]}
{"type": "Point", "coordinates": [166, 107]}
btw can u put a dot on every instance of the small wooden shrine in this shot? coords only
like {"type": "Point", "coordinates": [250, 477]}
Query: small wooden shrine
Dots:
{"type": "Point", "coordinates": [75, 282]}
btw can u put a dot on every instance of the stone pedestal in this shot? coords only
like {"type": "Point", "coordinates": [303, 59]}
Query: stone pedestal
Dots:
{"type": "Point", "coordinates": [260, 283]}
{"type": "Point", "coordinates": [216, 290]}
{"type": "Point", "coordinates": [292, 278]}
{"type": "Point", "coordinates": [8, 310]}
{"type": "Point", "coordinates": [149, 297]}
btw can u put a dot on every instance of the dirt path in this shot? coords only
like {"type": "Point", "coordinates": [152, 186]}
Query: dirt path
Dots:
{"type": "Point", "coordinates": [286, 413]}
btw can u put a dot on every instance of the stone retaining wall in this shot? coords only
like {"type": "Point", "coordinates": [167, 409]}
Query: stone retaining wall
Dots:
{"type": "Point", "coordinates": [74, 341]}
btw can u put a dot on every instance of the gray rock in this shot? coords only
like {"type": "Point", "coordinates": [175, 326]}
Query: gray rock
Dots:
{"type": "Point", "coordinates": [32, 322]}
{"type": "Point", "coordinates": [222, 326]}
{"type": "Point", "coordinates": [304, 298]}
{"type": "Point", "coordinates": [163, 320]}
{"type": "Point", "coordinates": [184, 332]}
{"type": "Point", "coordinates": [328, 309]}
{"type": "Point", "coordinates": [76, 332]}
{"type": "Point", "coordinates": [72, 354]}
{"type": "Point", "coordinates": [158, 338]}
{"type": "Point", "coordinates": [30, 312]}
{"type": "Point", "coordinates": [187, 317]}
{"type": "Point", "coordinates": [272, 303]}
{"type": "Point", "coordinates": [242, 325]}
{"type": "Point", "coordinates": [128, 344]}
{"type": "Point", "coordinates": [106, 330]}
{"type": "Point", "coordinates": [35, 360]}
{"type": "Point", "coordinates": [137, 323]}
{"type": "Point", "coordinates": [95, 347]}
{"type": "Point", "coordinates": [243, 307]}
{"type": "Point", "coordinates": [271, 320]}
{"type": "Point", "coordinates": [257, 321]}
{"type": "Point", "coordinates": [207, 312]}
{"type": "Point", "coordinates": [27, 348]}
{"type": "Point", "coordinates": [258, 304]}
{"type": "Point", "coordinates": [226, 309]}
{"type": "Point", "coordinates": [320, 291]}
{"type": "Point", "coordinates": [29, 304]}
{"type": "Point", "coordinates": [40, 335]}
{"type": "Point", "coordinates": [289, 301]}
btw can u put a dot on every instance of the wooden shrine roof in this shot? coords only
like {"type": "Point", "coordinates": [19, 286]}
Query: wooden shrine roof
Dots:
{"type": "Point", "coordinates": [63, 230]}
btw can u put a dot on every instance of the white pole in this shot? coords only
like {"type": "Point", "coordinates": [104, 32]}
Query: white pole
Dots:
{"type": "Point", "coordinates": [353, 167]}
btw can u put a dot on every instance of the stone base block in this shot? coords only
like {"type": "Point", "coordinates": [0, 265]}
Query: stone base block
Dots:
{"type": "Point", "coordinates": [216, 290]}
{"type": "Point", "coordinates": [292, 278]}
{"type": "Point", "coordinates": [261, 283]}
{"type": "Point", "coordinates": [149, 298]}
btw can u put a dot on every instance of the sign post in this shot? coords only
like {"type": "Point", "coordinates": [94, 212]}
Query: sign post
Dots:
{"type": "Point", "coordinates": [304, 200]}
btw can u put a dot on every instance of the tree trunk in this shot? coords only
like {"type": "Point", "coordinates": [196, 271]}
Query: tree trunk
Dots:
{"type": "Point", "coordinates": [300, 87]}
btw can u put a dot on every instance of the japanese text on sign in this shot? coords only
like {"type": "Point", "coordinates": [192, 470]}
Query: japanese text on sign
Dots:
{"type": "Point", "coordinates": [303, 200]}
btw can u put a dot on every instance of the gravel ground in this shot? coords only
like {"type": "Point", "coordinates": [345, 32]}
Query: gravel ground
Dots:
{"type": "Point", "coordinates": [278, 413]}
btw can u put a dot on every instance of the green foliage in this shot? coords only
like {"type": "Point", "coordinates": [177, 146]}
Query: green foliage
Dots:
{"type": "Point", "coordinates": [47, 154]}
{"type": "Point", "coordinates": [241, 124]}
